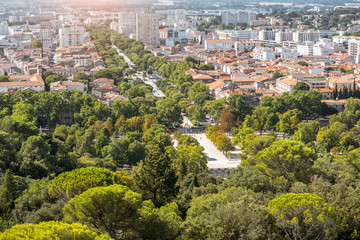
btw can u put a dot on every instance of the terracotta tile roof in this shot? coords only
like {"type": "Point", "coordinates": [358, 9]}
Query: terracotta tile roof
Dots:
{"type": "Point", "coordinates": [100, 80]}
{"type": "Point", "coordinates": [219, 40]}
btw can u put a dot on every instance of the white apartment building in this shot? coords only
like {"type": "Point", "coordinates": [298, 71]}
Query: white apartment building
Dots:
{"type": "Point", "coordinates": [4, 28]}
{"type": "Point", "coordinates": [72, 36]}
{"type": "Point", "coordinates": [322, 50]}
{"type": "Point", "coordinates": [175, 15]}
{"type": "Point", "coordinates": [221, 44]}
{"type": "Point", "coordinates": [237, 35]}
{"type": "Point", "coordinates": [354, 48]}
{"type": "Point", "coordinates": [283, 36]}
{"type": "Point", "coordinates": [114, 26]}
{"type": "Point", "coordinates": [285, 84]}
{"type": "Point", "coordinates": [266, 35]}
{"type": "Point", "coordinates": [262, 53]}
{"type": "Point", "coordinates": [286, 53]}
{"type": "Point", "coordinates": [147, 28]}
{"type": "Point", "coordinates": [235, 17]}
{"type": "Point", "coordinates": [306, 36]}
{"type": "Point", "coordinates": [241, 46]}
{"type": "Point", "coordinates": [13, 19]}
{"type": "Point", "coordinates": [305, 49]}
{"type": "Point", "coordinates": [46, 33]}
{"type": "Point", "coordinates": [127, 22]}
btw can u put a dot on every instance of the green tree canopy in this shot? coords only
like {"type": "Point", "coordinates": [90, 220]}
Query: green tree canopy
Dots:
{"type": "Point", "coordinates": [122, 214]}
{"type": "Point", "coordinates": [52, 230]}
{"type": "Point", "coordinates": [70, 184]}
{"type": "Point", "coordinates": [303, 216]}
{"type": "Point", "coordinates": [287, 159]}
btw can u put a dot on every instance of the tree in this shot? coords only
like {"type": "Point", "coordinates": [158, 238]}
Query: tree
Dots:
{"type": "Point", "coordinates": [238, 107]}
{"type": "Point", "coordinates": [168, 112]}
{"type": "Point", "coordinates": [289, 121]}
{"type": "Point", "coordinates": [224, 144]}
{"type": "Point", "coordinates": [261, 116]}
{"type": "Point", "coordinates": [188, 140]}
{"type": "Point", "coordinates": [52, 230]}
{"type": "Point", "coordinates": [136, 152]}
{"type": "Point", "coordinates": [36, 43]}
{"type": "Point", "coordinates": [227, 120]}
{"type": "Point", "coordinates": [122, 214]}
{"type": "Point", "coordinates": [70, 184]}
{"type": "Point", "coordinates": [118, 150]}
{"type": "Point", "coordinates": [7, 197]}
{"type": "Point", "coordinates": [206, 67]}
{"type": "Point", "coordinates": [198, 88]}
{"type": "Point", "coordinates": [330, 137]}
{"type": "Point", "coordinates": [286, 159]}
{"type": "Point", "coordinates": [307, 132]}
{"type": "Point", "coordinates": [277, 75]}
{"type": "Point", "coordinates": [303, 216]}
{"type": "Point", "coordinates": [214, 108]}
{"type": "Point", "coordinates": [81, 76]}
{"type": "Point", "coordinates": [155, 177]}
{"type": "Point", "coordinates": [36, 205]}
{"type": "Point", "coordinates": [253, 144]}
{"type": "Point", "coordinates": [235, 213]}
{"type": "Point", "coordinates": [5, 78]}
{"type": "Point", "coordinates": [112, 209]}
{"type": "Point", "coordinates": [35, 157]}
{"type": "Point", "coordinates": [190, 159]}
{"type": "Point", "coordinates": [301, 86]}
{"type": "Point", "coordinates": [104, 73]}
{"type": "Point", "coordinates": [303, 63]}
{"type": "Point", "coordinates": [247, 178]}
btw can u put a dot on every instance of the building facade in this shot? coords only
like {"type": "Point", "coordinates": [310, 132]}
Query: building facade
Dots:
{"type": "Point", "coordinates": [72, 36]}
{"type": "Point", "coordinates": [147, 28]}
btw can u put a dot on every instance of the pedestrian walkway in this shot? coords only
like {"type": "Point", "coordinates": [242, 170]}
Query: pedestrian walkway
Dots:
{"type": "Point", "coordinates": [216, 159]}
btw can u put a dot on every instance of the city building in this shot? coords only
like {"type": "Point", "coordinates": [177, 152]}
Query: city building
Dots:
{"type": "Point", "coordinates": [281, 36]}
{"type": "Point", "coordinates": [285, 84]}
{"type": "Point", "coordinates": [72, 36]}
{"type": "Point", "coordinates": [220, 44]}
{"type": "Point", "coordinates": [234, 17]}
{"type": "Point", "coordinates": [4, 28]}
{"type": "Point", "coordinates": [147, 28]}
{"type": "Point", "coordinates": [69, 85]}
{"type": "Point", "coordinates": [306, 48]}
{"type": "Point", "coordinates": [175, 15]}
{"type": "Point", "coordinates": [127, 22]}
{"type": "Point", "coordinates": [354, 47]}
{"type": "Point", "coordinates": [241, 46]}
{"type": "Point", "coordinates": [262, 53]}
{"type": "Point", "coordinates": [237, 35]}
{"type": "Point", "coordinates": [266, 35]}
{"type": "Point", "coordinates": [35, 83]}
{"type": "Point", "coordinates": [46, 33]}
{"type": "Point", "coordinates": [260, 22]}
{"type": "Point", "coordinates": [306, 36]}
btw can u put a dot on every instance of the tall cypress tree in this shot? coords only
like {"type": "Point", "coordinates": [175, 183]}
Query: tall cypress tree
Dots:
{"type": "Point", "coordinates": [7, 193]}
{"type": "Point", "coordinates": [336, 91]}
{"type": "Point", "coordinates": [345, 93]}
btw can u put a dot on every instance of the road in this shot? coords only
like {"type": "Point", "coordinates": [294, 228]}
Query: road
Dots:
{"type": "Point", "coordinates": [156, 91]}
{"type": "Point", "coordinates": [127, 60]}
